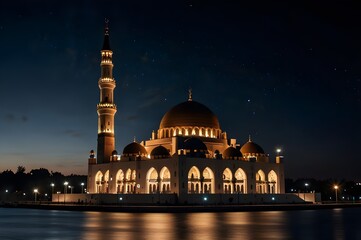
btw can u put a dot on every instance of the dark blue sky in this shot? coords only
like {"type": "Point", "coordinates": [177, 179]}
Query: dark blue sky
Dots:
{"type": "Point", "coordinates": [288, 75]}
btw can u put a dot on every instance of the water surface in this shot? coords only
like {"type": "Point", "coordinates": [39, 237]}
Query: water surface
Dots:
{"type": "Point", "coordinates": [305, 224]}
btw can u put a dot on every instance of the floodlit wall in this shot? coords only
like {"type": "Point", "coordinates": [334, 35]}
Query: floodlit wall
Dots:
{"type": "Point", "coordinates": [198, 199]}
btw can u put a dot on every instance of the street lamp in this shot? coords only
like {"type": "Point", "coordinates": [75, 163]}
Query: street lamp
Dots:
{"type": "Point", "coordinates": [71, 189]}
{"type": "Point", "coordinates": [304, 194]}
{"type": "Point", "coordinates": [335, 187]}
{"type": "Point", "coordinates": [35, 193]}
{"type": "Point", "coordinates": [65, 189]}
{"type": "Point", "coordinates": [82, 187]}
{"type": "Point", "coordinates": [278, 150]}
{"type": "Point", "coordinates": [52, 187]}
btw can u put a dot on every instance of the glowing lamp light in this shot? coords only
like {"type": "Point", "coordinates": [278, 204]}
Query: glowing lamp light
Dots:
{"type": "Point", "coordinates": [121, 199]}
{"type": "Point", "coordinates": [205, 199]}
{"type": "Point", "coordinates": [273, 198]}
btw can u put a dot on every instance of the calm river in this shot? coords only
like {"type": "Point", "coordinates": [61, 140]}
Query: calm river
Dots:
{"type": "Point", "coordinates": [305, 224]}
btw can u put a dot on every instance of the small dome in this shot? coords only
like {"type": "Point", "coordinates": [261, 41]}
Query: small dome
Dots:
{"type": "Point", "coordinates": [231, 152]}
{"type": "Point", "coordinates": [134, 148]}
{"type": "Point", "coordinates": [92, 154]}
{"type": "Point", "coordinates": [194, 143]}
{"type": "Point", "coordinates": [190, 113]}
{"type": "Point", "coordinates": [160, 151]}
{"type": "Point", "coordinates": [251, 147]}
{"type": "Point", "coordinates": [114, 152]}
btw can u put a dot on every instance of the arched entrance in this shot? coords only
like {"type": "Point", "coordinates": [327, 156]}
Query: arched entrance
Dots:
{"type": "Point", "coordinates": [99, 182]}
{"type": "Point", "coordinates": [261, 182]}
{"type": "Point", "coordinates": [207, 181]}
{"type": "Point", "coordinates": [227, 181]}
{"type": "Point", "coordinates": [152, 181]}
{"type": "Point", "coordinates": [194, 180]}
{"type": "Point", "coordinates": [165, 180]}
{"type": "Point", "coordinates": [272, 182]}
{"type": "Point", "coordinates": [120, 181]}
{"type": "Point", "coordinates": [241, 181]}
{"type": "Point", "coordinates": [106, 182]}
{"type": "Point", "coordinates": [130, 181]}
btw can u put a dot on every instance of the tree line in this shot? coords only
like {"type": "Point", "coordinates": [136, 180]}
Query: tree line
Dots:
{"type": "Point", "coordinates": [22, 183]}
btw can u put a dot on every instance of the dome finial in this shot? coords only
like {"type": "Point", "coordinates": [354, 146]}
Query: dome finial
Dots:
{"type": "Point", "coordinates": [190, 94]}
{"type": "Point", "coordinates": [134, 140]}
{"type": "Point", "coordinates": [106, 28]}
{"type": "Point", "coordinates": [106, 45]}
{"type": "Point", "coordinates": [249, 138]}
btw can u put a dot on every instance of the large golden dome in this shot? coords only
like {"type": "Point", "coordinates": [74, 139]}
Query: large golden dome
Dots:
{"type": "Point", "coordinates": [190, 113]}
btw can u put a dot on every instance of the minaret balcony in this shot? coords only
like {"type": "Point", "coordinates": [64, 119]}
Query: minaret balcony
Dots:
{"type": "Point", "coordinates": [107, 61]}
{"type": "Point", "coordinates": [106, 79]}
{"type": "Point", "coordinates": [106, 105]}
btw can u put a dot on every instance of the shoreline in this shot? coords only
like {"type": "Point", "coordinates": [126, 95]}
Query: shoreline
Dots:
{"type": "Point", "coordinates": [180, 208]}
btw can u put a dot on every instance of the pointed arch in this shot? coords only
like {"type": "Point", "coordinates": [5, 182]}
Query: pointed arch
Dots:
{"type": "Point", "coordinates": [201, 131]}
{"type": "Point", "coordinates": [272, 182]}
{"type": "Point", "coordinates": [194, 176]}
{"type": "Point", "coordinates": [165, 182]}
{"type": "Point", "coordinates": [129, 181]}
{"type": "Point", "coordinates": [227, 181]}
{"type": "Point", "coordinates": [241, 181]}
{"type": "Point", "coordinates": [152, 180]}
{"type": "Point", "coordinates": [261, 182]}
{"type": "Point", "coordinates": [208, 181]}
{"type": "Point", "coordinates": [106, 182]}
{"type": "Point", "coordinates": [120, 181]}
{"type": "Point", "coordinates": [99, 182]}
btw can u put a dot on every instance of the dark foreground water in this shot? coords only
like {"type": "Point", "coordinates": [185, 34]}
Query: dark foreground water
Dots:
{"type": "Point", "coordinates": [305, 224]}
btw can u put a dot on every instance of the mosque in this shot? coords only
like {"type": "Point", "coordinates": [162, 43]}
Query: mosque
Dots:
{"type": "Point", "coordinates": [187, 158]}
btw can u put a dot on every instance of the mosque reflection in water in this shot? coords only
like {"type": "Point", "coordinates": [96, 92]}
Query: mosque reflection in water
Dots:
{"type": "Point", "coordinates": [243, 225]}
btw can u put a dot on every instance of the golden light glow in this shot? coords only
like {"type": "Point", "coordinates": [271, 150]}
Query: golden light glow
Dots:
{"type": "Point", "coordinates": [107, 79]}
{"type": "Point", "coordinates": [106, 105]}
{"type": "Point", "coordinates": [335, 187]}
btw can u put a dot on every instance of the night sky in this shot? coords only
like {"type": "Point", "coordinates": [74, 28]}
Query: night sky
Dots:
{"type": "Point", "coordinates": [289, 75]}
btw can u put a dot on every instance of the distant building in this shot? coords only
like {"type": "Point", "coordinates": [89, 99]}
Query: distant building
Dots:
{"type": "Point", "coordinates": [188, 155]}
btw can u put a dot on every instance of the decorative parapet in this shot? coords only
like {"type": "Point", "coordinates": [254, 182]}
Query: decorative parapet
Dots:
{"type": "Point", "coordinates": [106, 105]}
{"type": "Point", "coordinates": [105, 79]}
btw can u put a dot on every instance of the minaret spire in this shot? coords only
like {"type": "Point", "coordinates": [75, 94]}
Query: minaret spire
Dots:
{"type": "Point", "coordinates": [106, 108]}
{"type": "Point", "coordinates": [190, 94]}
{"type": "Point", "coordinates": [249, 138]}
{"type": "Point", "coordinates": [106, 44]}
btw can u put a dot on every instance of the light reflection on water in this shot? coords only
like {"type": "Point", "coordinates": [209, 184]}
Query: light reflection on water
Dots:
{"type": "Point", "coordinates": [310, 224]}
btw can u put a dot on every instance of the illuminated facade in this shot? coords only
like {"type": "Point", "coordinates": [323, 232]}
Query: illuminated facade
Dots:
{"type": "Point", "coordinates": [188, 155]}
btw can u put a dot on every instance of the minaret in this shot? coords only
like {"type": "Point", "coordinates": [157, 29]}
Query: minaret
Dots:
{"type": "Point", "coordinates": [106, 108]}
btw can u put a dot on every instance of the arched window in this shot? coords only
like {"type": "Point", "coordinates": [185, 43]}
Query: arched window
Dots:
{"type": "Point", "coordinates": [193, 180]}
{"type": "Point", "coordinates": [165, 180]}
{"type": "Point", "coordinates": [152, 181]}
{"type": "Point", "coordinates": [120, 181]}
{"type": "Point", "coordinates": [261, 182]}
{"type": "Point", "coordinates": [227, 181]}
{"type": "Point", "coordinates": [106, 182]}
{"type": "Point", "coordinates": [207, 181]}
{"type": "Point", "coordinates": [272, 182]}
{"type": "Point", "coordinates": [130, 181]}
{"type": "Point", "coordinates": [241, 181]}
{"type": "Point", "coordinates": [99, 182]}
